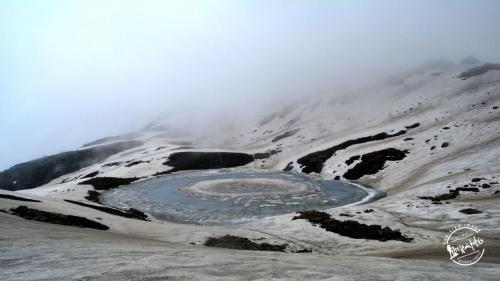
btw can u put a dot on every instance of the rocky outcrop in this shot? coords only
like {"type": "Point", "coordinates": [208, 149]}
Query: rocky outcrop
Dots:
{"type": "Point", "coordinates": [106, 183]}
{"type": "Point", "coordinates": [189, 160]}
{"type": "Point", "coordinates": [56, 218]}
{"type": "Point", "coordinates": [130, 213]}
{"type": "Point", "coordinates": [241, 243]}
{"type": "Point", "coordinates": [371, 163]}
{"type": "Point", "coordinates": [314, 162]}
{"type": "Point", "coordinates": [352, 229]}
{"type": "Point", "coordinates": [41, 171]}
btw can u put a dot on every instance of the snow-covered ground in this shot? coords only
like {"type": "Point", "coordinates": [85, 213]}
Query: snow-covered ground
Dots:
{"type": "Point", "coordinates": [457, 140]}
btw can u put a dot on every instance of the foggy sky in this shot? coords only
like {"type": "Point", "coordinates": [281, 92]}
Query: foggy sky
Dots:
{"type": "Point", "coordinates": [74, 71]}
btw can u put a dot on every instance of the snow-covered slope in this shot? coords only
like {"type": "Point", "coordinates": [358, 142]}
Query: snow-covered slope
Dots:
{"type": "Point", "coordinates": [448, 129]}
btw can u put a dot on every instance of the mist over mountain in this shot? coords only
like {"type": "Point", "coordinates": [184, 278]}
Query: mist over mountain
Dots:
{"type": "Point", "coordinates": [76, 71]}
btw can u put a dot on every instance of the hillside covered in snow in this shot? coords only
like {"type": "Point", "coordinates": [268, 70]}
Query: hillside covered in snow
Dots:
{"type": "Point", "coordinates": [429, 138]}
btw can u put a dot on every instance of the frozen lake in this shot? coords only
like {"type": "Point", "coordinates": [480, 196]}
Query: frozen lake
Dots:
{"type": "Point", "coordinates": [232, 196]}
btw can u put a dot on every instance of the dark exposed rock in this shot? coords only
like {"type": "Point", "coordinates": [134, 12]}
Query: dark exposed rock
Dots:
{"type": "Point", "coordinates": [407, 139]}
{"type": "Point", "coordinates": [412, 126]}
{"type": "Point", "coordinates": [368, 210]}
{"type": "Point", "coordinates": [267, 154]}
{"type": "Point", "coordinates": [470, 211]}
{"type": "Point", "coordinates": [485, 185]}
{"type": "Point", "coordinates": [475, 71]}
{"type": "Point", "coordinates": [371, 163]}
{"type": "Point", "coordinates": [452, 194]}
{"type": "Point", "coordinates": [40, 171]}
{"type": "Point", "coordinates": [242, 243]}
{"type": "Point", "coordinates": [112, 164]}
{"type": "Point", "coordinates": [288, 167]}
{"type": "Point", "coordinates": [93, 196]}
{"type": "Point", "coordinates": [433, 147]}
{"type": "Point", "coordinates": [133, 163]}
{"type": "Point", "coordinates": [445, 144]}
{"type": "Point", "coordinates": [90, 175]}
{"type": "Point", "coordinates": [188, 160]}
{"type": "Point", "coordinates": [17, 198]}
{"type": "Point", "coordinates": [336, 178]}
{"type": "Point", "coordinates": [473, 189]}
{"type": "Point", "coordinates": [476, 179]}
{"type": "Point", "coordinates": [285, 135]}
{"type": "Point", "coordinates": [352, 159]}
{"type": "Point", "coordinates": [106, 183]}
{"type": "Point", "coordinates": [56, 218]}
{"type": "Point", "coordinates": [352, 229]}
{"type": "Point", "coordinates": [130, 213]}
{"type": "Point", "coordinates": [313, 162]}
{"type": "Point", "coordinates": [303, 251]}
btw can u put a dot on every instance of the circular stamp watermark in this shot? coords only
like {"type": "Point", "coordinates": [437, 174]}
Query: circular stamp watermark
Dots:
{"type": "Point", "coordinates": [464, 244]}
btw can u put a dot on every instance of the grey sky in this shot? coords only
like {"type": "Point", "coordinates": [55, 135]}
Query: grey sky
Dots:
{"type": "Point", "coordinates": [73, 71]}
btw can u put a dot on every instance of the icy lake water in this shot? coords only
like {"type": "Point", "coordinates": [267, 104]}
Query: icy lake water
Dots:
{"type": "Point", "coordinates": [231, 196]}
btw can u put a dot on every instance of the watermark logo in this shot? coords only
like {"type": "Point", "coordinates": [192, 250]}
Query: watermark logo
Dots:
{"type": "Point", "coordinates": [464, 244]}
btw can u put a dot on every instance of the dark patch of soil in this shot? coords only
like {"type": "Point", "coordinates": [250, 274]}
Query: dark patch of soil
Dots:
{"type": "Point", "coordinates": [40, 171]}
{"type": "Point", "coordinates": [470, 211]}
{"type": "Point", "coordinates": [352, 229]}
{"type": "Point", "coordinates": [313, 162]}
{"type": "Point", "coordinates": [106, 183]}
{"type": "Point", "coordinates": [371, 163]}
{"type": "Point", "coordinates": [130, 213]}
{"type": "Point", "coordinates": [181, 161]}
{"type": "Point", "coordinates": [241, 243]}
{"type": "Point", "coordinates": [90, 175]}
{"type": "Point", "coordinates": [352, 159]}
{"type": "Point", "coordinates": [475, 71]}
{"type": "Point", "coordinates": [17, 198]}
{"type": "Point", "coordinates": [56, 218]}
{"type": "Point", "coordinates": [93, 196]}
{"type": "Point", "coordinates": [285, 135]}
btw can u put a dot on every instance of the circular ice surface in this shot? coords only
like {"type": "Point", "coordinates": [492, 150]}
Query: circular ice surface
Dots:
{"type": "Point", "coordinates": [231, 196]}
